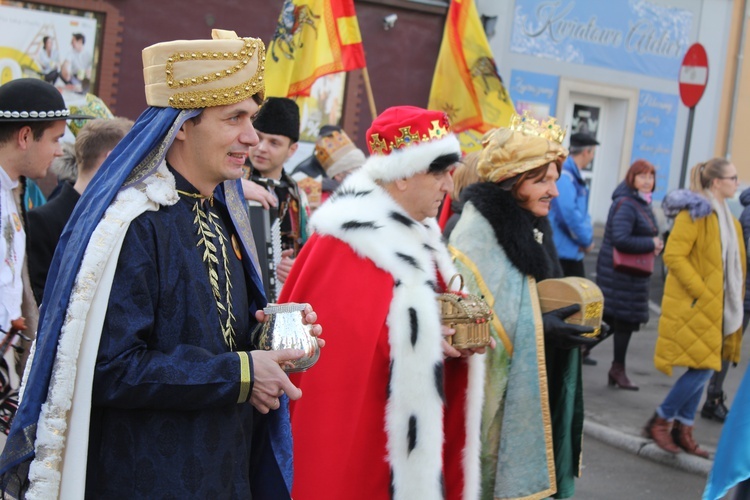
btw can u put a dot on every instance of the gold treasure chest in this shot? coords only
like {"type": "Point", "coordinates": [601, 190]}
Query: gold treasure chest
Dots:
{"type": "Point", "coordinates": [468, 314]}
{"type": "Point", "coordinates": [562, 292]}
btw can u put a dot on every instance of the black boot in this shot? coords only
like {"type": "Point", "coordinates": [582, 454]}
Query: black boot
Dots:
{"type": "Point", "coordinates": [714, 407]}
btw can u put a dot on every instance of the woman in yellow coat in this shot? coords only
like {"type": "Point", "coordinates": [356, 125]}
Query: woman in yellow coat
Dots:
{"type": "Point", "coordinates": [702, 308]}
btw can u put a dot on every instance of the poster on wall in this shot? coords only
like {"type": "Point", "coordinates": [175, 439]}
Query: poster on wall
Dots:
{"type": "Point", "coordinates": [654, 134]}
{"type": "Point", "coordinates": [585, 121]}
{"type": "Point", "coordinates": [637, 36]}
{"type": "Point", "coordinates": [57, 47]}
{"type": "Point", "coordinates": [535, 93]}
{"type": "Point", "coordinates": [324, 105]}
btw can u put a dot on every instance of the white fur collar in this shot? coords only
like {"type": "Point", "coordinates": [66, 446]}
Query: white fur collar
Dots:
{"type": "Point", "coordinates": [380, 229]}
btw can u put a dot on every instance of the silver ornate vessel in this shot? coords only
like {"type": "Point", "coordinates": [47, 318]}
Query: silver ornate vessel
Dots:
{"type": "Point", "coordinates": [285, 329]}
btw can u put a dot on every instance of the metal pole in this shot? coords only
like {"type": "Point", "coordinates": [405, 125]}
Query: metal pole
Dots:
{"type": "Point", "coordinates": [686, 151]}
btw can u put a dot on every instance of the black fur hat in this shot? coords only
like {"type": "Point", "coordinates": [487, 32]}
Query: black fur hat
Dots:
{"type": "Point", "coordinates": [279, 116]}
{"type": "Point", "coordinates": [33, 100]}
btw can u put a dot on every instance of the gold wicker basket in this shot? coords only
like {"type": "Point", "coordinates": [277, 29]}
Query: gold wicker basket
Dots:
{"type": "Point", "coordinates": [468, 314]}
{"type": "Point", "coordinates": [562, 292]}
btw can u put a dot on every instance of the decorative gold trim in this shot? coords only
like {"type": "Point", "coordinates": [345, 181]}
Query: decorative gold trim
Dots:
{"type": "Point", "coordinates": [543, 387]}
{"type": "Point", "coordinates": [245, 376]}
{"type": "Point", "coordinates": [243, 57]}
{"type": "Point", "coordinates": [216, 97]}
{"type": "Point", "coordinates": [488, 297]}
{"type": "Point", "coordinates": [204, 221]}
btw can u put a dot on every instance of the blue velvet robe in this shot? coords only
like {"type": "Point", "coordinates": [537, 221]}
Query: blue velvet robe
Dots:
{"type": "Point", "coordinates": [165, 421]}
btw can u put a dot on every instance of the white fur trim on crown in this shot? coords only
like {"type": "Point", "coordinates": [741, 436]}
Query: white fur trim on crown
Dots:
{"type": "Point", "coordinates": [403, 163]}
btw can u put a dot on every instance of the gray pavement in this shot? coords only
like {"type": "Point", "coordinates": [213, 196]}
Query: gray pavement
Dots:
{"type": "Point", "coordinates": [616, 417]}
{"type": "Point", "coordinates": [612, 474]}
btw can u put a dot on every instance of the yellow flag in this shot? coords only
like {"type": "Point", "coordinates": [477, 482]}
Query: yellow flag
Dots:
{"type": "Point", "coordinates": [466, 84]}
{"type": "Point", "coordinates": [312, 38]}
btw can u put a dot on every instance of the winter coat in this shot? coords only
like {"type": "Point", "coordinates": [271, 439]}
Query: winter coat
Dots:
{"type": "Point", "coordinates": [631, 227]}
{"type": "Point", "coordinates": [745, 222]}
{"type": "Point", "coordinates": [690, 327]}
{"type": "Point", "coordinates": [569, 214]}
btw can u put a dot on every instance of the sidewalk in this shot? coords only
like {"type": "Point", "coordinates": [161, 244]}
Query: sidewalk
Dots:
{"type": "Point", "coordinates": [617, 417]}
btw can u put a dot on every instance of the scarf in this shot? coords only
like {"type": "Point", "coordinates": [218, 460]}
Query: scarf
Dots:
{"type": "Point", "coordinates": [733, 278]}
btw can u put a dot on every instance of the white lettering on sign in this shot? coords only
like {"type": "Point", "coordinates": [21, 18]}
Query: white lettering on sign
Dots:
{"type": "Point", "coordinates": [553, 21]}
{"type": "Point", "coordinates": [694, 75]}
{"type": "Point", "coordinates": [523, 88]}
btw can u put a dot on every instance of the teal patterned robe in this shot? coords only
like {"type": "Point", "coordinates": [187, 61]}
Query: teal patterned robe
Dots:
{"type": "Point", "coordinates": [533, 409]}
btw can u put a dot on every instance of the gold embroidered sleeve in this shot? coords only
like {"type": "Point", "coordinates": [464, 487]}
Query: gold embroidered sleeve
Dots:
{"type": "Point", "coordinates": [246, 376]}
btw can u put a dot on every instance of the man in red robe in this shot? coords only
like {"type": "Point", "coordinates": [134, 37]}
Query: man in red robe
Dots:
{"type": "Point", "coordinates": [390, 410]}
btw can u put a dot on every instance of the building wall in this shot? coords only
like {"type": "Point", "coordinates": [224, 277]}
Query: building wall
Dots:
{"type": "Point", "coordinates": [711, 23]}
{"type": "Point", "coordinates": [734, 125]}
{"type": "Point", "coordinates": [400, 60]}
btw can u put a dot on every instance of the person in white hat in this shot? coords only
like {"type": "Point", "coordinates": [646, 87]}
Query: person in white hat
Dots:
{"type": "Point", "coordinates": [145, 382]}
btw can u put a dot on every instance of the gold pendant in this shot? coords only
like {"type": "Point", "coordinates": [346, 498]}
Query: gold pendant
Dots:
{"type": "Point", "coordinates": [236, 247]}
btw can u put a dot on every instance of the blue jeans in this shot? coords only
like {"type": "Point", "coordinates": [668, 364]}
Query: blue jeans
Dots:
{"type": "Point", "coordinates": [683, 399]}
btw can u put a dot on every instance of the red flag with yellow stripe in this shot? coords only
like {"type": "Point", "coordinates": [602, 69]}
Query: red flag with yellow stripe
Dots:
{"type": "Point", "coordinates": [312, 38]}
{"type": "Point", "coordinates": [466, 84]}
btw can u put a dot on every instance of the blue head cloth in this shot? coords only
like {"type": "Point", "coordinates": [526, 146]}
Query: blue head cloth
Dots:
{"type": "Point", "coordinates": [143, 148]}
{"type": "Point", "coordinates": [136, 157]}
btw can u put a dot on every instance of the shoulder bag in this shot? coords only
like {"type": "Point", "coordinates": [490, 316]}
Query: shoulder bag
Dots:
{"type": "Point", "coordinates": [634, 264]}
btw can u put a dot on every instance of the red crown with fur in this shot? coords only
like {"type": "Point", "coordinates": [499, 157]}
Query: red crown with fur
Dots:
{"type": "Point", "coordinates": [404, 140]}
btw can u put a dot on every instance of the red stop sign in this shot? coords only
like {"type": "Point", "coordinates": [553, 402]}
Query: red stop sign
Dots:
{"type": "Point", "coordinates": [693, 75]}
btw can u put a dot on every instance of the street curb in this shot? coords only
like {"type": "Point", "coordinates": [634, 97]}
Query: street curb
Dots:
{"type": "Point", "coordinates": [646, 448]}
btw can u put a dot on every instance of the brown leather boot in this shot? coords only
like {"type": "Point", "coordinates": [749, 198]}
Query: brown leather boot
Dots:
{"type": "Point", "coordinates": [659, 429]}
{"type": "Point", "coordinates": [619, 378]}
{"type": "Point", "coordinates": [683, 436]}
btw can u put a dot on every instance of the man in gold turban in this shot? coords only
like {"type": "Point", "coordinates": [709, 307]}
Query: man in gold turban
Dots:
{"type": "Point", "coordinates": [145, 383]}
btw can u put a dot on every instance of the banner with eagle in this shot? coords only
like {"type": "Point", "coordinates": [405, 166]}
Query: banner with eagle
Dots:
{"type": "Point", "coordinates": [466, 84]}
{"type": "Point", "coordinates": [312, 38]}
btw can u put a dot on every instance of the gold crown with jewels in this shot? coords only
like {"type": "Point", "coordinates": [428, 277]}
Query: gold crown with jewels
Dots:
{"type": "Point", "coordinates": [528, 125]}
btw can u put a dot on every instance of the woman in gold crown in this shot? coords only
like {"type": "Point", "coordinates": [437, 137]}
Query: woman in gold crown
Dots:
{"type": "Point", "coordinates": [503, 245]}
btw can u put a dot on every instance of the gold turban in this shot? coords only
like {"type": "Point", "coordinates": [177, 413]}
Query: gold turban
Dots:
{"type": "Point", "coordinates": [188, 74]}
{"type": "Point", "coordinates": [524, 146]}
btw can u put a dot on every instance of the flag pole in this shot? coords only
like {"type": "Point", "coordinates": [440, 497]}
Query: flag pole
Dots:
{"type": "Point", "coordinates": [370, 98]}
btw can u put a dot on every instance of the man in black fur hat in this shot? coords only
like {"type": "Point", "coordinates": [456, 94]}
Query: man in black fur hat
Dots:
{"type": "Point", "coordinates": [32, 122]}
{"type": "Point", "coordinates": [278, 126]}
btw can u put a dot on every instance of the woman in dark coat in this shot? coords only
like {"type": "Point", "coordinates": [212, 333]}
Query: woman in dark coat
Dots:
{"type": "Point", "coordinates": [631, 228]}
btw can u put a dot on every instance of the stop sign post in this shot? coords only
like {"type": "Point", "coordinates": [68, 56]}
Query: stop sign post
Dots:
{"type": "Point", "coordinates": [693, 79]}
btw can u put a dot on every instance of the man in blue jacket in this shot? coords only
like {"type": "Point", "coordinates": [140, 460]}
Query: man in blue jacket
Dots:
{"type": "Point", "coordinates": [571, 223]}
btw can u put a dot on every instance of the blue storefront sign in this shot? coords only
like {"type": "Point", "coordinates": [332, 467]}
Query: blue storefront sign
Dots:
{"type": "Point", "coordinates": [635, 36]}
{"type": "Point", "coordinates": [534, 92]}
{"type": "Point", "coordinates": [654, 134]}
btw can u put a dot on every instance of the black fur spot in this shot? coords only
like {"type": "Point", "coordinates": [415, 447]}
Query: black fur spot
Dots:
{"type": "Point", "coordinates": [345, 193]}
{"type": "Point", "coordinates": [440, 380]}
{"type": "Point", "coordinates": [355, 224]}
{"type": "Point", "coordinates": [442, 486]}
{"type": "Point", "coordinates": [392, 487]}
{"type": "Point", "coordinates": [432, 285]}
{"type": "Point", "coordinates": [397, 283]}
{"type": "Point", "coordinates": [430, 248]}
{"type": "Point", "coordinates": [414, 324]}
{"type": "Point", "coordinates": [406, 221]}
{"type": "Point", "coordinates": [412, 435]}
{"type": "Point", "coordinates": [409, 260]}
{"type": "Point", "coordinates": [388, 387]}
